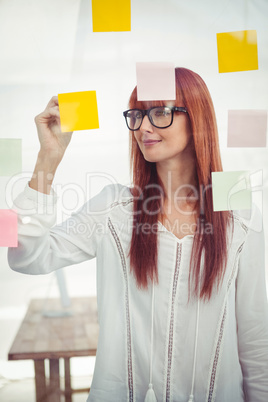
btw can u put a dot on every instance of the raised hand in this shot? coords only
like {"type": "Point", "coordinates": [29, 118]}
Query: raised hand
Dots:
{"type": "Point", "coordinates": [53, 142]}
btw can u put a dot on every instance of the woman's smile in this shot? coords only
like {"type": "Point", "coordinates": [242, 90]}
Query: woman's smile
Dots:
{"type": "Point", "coordinates": [151, 142]}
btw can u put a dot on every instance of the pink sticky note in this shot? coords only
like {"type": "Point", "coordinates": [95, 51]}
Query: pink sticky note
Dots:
{"type": "Point", "coordinates": [155, 81]}
{"type": "Point", "coordinates": [8, 228]}
{"type": "Point", "coordinates": [247, 128]}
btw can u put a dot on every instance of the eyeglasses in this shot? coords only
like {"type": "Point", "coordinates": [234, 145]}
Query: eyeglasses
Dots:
{"type": "Point", "coordinates": [159, 117]}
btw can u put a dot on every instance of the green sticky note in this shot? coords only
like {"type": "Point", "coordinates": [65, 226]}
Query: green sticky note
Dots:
{"type": "Point", "coordinates": [231, 190]}
{"type": "Point", "coordinates": [10, 156]}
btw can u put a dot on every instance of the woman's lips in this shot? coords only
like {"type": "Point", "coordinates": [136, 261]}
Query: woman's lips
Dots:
{"type": "Point", "coordinates": [151, 142]}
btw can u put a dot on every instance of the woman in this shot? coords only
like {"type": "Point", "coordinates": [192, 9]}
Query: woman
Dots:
{"type": "Point", "coordinates": [182, 301]}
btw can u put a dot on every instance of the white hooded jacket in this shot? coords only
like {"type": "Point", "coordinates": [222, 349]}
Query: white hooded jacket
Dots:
{"type": "Point", "coordinates": [200, 351]}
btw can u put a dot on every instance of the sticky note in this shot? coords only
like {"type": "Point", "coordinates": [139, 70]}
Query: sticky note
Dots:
{"type": "Point", "coordinates": [111, 15]}
{"type": "Point", "coordinates": [10, 156]}
{"type": "Point", "coordinates": [78, 111]}
{"type": "Point", "coordinates": [8, 228]}
{"type": "Point", "coordinates": [231, 190]}
{"type": "Point", "coordinates": [237, 51]}
{"type": "Point", "coordinates": [155, 81]}
{"type": "Point", "coordinates": [247, 128]}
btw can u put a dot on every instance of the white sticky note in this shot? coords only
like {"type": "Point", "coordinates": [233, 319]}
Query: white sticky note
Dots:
{"type": "Point", "coordinates": [155, 81]}
{"type": "Point", "coordinates": [247, 128]}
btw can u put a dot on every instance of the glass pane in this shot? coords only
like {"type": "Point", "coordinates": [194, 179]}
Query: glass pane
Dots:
{"type": "Point", "coordinates": [134, 118]}
{"type": "Point", "coordinates": [161, 116]}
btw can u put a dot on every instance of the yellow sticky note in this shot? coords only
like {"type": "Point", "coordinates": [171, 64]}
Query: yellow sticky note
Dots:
{"type": "Point", "coordinates": [78, 111]}
{"type": "Point", "coordinates": [237, 51]}
{"type": "Point", "coordinates": [111, 15]}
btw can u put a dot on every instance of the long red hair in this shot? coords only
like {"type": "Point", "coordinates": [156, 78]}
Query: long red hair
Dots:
{"type": "Point", "coordinates": [191, 92]}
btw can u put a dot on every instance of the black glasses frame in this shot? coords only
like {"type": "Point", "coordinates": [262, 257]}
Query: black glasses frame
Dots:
{"type": "Point", "coordinates": [146, 112]}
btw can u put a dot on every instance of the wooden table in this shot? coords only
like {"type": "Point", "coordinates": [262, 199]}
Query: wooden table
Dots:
{"type": "Point", "coordinates": [54, 338]}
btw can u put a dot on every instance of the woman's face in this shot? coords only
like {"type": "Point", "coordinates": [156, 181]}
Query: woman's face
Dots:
{"type": "Point", "coordinates": [162, 144]}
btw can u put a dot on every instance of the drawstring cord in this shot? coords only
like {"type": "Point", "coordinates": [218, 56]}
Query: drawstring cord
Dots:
{"type": "Point", "coordinates": [191, 397]}
{"type": "Point", "coordinates": [152, 336]}
{"type": "Point", "coordinates": [150, 395]}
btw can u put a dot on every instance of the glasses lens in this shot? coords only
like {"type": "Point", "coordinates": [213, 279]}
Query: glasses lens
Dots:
{"type": "Point", "coordinates": [134, 118]}
{"type": "Point", "coordinates": [161, 116]}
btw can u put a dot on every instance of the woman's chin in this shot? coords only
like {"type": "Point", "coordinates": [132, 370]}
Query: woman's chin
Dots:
{"type": "Point", "coordinates": [150, 158]}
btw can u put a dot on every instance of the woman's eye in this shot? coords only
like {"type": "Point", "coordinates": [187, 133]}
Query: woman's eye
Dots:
{"type": "Point", "coordinates": [132, 115]}
{"type": "Point", "coordinates": [162, 113]}
{"type": "Point", "coordinates": [136, 115]}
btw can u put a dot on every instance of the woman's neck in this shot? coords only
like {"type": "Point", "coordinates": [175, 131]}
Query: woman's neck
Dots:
{"type": "Point", "coordinates": [179, 179]}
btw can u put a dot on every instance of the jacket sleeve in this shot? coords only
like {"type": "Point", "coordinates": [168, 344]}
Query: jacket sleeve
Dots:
{"type": "Point", "coordinates": [252, 313]}
{"type": "Point", "coordinates": [44, 247]}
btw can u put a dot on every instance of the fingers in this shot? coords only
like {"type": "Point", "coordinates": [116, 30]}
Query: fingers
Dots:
{"type": "Point", "coordinates": [48, 113]}
{"type": "Point", "coordinates": [54, 111]}
{"type": "Point", "coordinates": [53, 102]}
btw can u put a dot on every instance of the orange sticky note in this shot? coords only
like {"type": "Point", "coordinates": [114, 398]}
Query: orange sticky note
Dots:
{"type": "Point", "coordinates": [8, 228]}
{"type": "Point", "coordinates": [111, 15]}
{"type": "Point", "coordinates": [237, 51]}
{"type": "Point", "coordinates": [78, 111]}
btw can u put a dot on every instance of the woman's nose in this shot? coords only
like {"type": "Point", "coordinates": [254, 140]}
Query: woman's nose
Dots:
{"type": "Point", "coordinates": [146, 125]}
